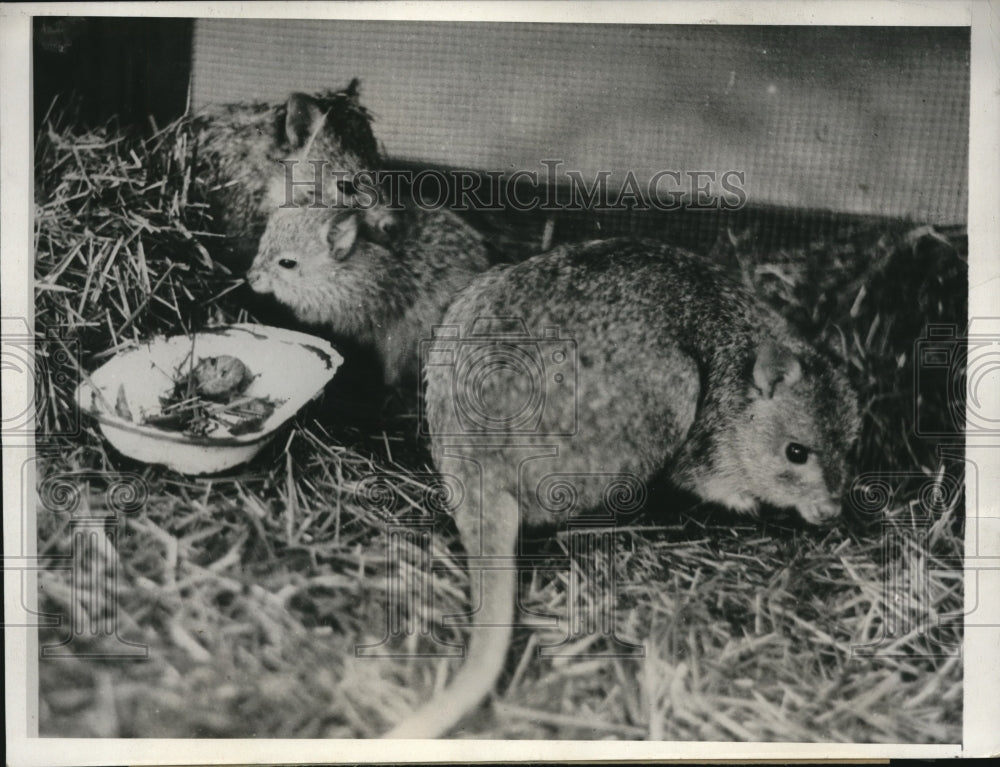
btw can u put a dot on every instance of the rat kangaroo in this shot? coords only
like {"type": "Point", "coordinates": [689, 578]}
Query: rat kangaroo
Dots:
{"type": "Point", "coordinates": [677, 370]}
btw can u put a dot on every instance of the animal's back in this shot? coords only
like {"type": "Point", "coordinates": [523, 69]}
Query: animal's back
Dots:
{"type": "Point", "coordinates": [442, 254]}
{"type": "Point", "coordinates": [601, 400]}
{"type": "Point", "coordinates": [660, 333]}
{"type": "Point", "coordinates": [238, 150]}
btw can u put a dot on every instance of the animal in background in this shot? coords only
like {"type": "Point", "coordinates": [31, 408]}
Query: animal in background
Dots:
{"type": "Point", "coordinates": [240, 149]}
{"type": "Point", "coordinates": [326, 267]}
{"type": "Point", "coordinates": [361, 271]}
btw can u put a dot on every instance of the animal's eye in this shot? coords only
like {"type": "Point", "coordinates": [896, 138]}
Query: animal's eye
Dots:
{"type": "Point", "coordinates": [288, 263]}
{"type": "Point", "coordinates": [347, 187]}
{"type": "Point", "coordinates": [796, 453]}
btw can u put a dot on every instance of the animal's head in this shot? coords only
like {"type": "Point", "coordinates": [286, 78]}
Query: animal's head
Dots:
{"type": "Point", "coordinates": [795, 439]}
{"type": "Point", "coordinates": [319, 263]}
{"type": "Point", "coordinates": [331, 158]}
{"type": "Point", "coordinates": [331, 125]}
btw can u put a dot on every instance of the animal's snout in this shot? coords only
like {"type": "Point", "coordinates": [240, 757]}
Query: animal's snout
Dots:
{"type": "Point", "coordinates": [823, 513]}
{"type": "Point", "coordinates": [389, 226]}
{"type": "Point", "coordinates": [257, 281]}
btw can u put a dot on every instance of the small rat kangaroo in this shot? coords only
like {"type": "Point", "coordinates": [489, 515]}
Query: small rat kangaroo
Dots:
{"type": "Point", "coordinates": [384, 296]}
{"type": "Point", "coordinates": [676, 369]}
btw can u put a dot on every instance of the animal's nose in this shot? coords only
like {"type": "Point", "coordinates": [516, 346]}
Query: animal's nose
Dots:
{"type": "Point", "coordinates": [256, 280]}
{"type": "Point", "coordinates": [822, 513]}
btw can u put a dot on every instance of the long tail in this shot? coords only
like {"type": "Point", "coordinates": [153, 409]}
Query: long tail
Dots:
{"type": "Point", "coordinates": [490, 633]}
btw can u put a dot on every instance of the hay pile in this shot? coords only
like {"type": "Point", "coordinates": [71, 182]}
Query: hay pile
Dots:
{"type": "Point", "coordinates": [252, 591]}
{"type": "Point", "coordinates": [121, 249]}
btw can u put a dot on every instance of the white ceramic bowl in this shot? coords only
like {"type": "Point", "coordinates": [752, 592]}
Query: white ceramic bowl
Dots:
{"type": "Point", "coordinates": [288, 367]}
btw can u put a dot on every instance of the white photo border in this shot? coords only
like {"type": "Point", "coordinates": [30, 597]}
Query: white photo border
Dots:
{"type": "Point", "coordinates": [982, 670]}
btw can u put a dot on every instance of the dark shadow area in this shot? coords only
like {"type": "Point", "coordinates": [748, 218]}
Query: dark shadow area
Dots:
{"type": "Point", "coordinates": [134, 69]}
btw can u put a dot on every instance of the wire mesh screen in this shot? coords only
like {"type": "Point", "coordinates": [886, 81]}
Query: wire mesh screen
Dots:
{"type": "Point", "coordinates": [859, 120]}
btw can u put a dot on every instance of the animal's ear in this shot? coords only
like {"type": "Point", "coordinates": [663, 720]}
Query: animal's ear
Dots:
{"type": "Point", "coordinates": [303, 119]}
{"type": "Point", "coordinates": [353, 90]}
{"type": "Point", "coordinates": [341, 236]}
{"type": "Point", "coordinates": [775, 364]}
